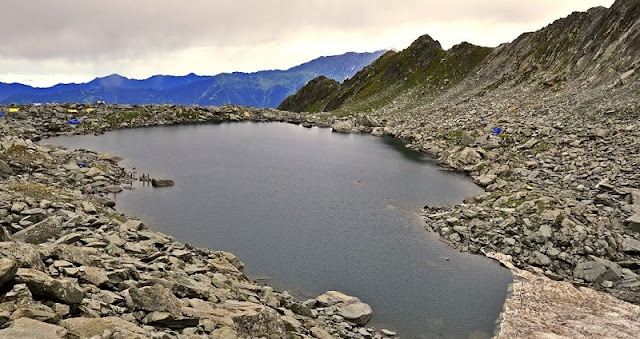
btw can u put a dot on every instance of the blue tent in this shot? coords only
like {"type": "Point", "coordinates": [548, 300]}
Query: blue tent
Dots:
{"type": "Point", "coordinates": [74, 121]}
{"type": "Point", "coordinates": [497, 130]}
{"type": "Point", "coordinates": [2, 115]}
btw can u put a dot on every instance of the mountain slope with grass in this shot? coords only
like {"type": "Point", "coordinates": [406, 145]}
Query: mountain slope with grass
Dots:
{"type": "Point", "coordinates": [596, 48]}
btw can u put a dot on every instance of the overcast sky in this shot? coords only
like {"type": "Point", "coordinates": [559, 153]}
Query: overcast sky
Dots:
{"type": "Point", "coordinates": [43, 42]}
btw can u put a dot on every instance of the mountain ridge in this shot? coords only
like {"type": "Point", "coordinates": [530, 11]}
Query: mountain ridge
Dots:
{"type": "Point", "coordinates": [596, 48]}
{"type": "Point", "coordinates": [265, 88]}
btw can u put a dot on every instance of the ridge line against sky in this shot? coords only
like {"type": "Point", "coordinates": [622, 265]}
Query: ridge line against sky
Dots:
{"type": "Point", "coordinates": [46, 42]}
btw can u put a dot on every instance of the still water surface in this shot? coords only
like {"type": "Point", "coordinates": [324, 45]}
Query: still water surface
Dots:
{"type": "Point", "coordinates": [308, 211]}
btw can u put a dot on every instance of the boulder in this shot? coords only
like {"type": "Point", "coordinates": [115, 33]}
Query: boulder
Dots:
{"type": "Point", "coordinates": [41, 232]}
{"type": "Point", "coordinates": [5, 170]}
{"type": "Point", "coordinates": [598, 270]}
{"type": "Point", "coordinates": [154, 298]}
{"type": "Point", "coordinates": [350, 308]}
{"type": "Point", "coordinates": [485, 180]}
{"type": "Point", "coordinates": [633, 222]}
{"type": "Point", "coordinates": [358, 313]}
{"type": "Point", "coordinates": [40, 284]}
{"type": "Point", "coordinates": [159, 182]}
{"type": "Point", "coordinates": [131, 225]}
{"type": "Point", "coordinates": [344, 126]}
{"type": "Point", "coordinates": [89, 327]}
{"type": "Point", "coordinates": [630, 245]}
{"type": "Point", "coordinates": [266, 323]}
{"type": "Point", "coordinates": [26, 328]}
{"type": "Point", "coordinates": [590, 271]}
{"type": "Point", "coordinates": [25, 255]}
{"type": "Point", "coordinates": [8, 270]}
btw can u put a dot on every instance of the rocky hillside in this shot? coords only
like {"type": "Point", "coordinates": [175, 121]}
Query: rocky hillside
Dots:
{"type": "Point", "coordinates": [311, 97]}
{"type": "Point", "coordinates": [259, 89]}
{"type": "Point", "coordinates": [424, 67]}
{"type": "Point", "coordinates": [600, 47]}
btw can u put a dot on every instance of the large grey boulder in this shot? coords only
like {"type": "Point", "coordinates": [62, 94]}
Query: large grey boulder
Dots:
{"type": "Point", "coordinates": [25, 328]}
{"type": "Point", "coordinates": [351, 308]}
{"type": "Point", "coordinates": [25, 255]}
{"type": "Point", "coordinates": [344, 126]}
{"type": "Point", "coordinates": [630, 245]}
{"type": "Point", "coordinates": [40, 284]}
{"type": "Point", "coordinates": [160, 182]}
{"type": "Point", "coordinates": [41, 232]}
{"type": "Point", "coordinates": [154, 298]}
{"type": "Point", "coordinates": [633, 222]}
{"type": "Point", "coordinates": [266, 323]}
{"type": "Point", "coordinates": [358, 313]}
{"type": "Point", "coordinates": [598, 271]}
{"type": "Point", "coordinates": [89, 327]}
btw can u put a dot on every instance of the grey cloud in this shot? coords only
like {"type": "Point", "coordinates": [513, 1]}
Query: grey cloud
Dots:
{"type": "Point", "coordinates": [40, 29]}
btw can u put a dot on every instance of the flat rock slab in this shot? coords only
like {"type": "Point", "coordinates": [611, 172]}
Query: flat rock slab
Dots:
{"type": "Point", "coordinates": [41, 232]}
{"type": "Point", "coordinates": [40, 284]}
{"type": "Point", "coordinates": [89, 327]}
{"type": "Point", "coordinates": [26, 328]}
{"type": "Point", "coordinates": [542, 308]}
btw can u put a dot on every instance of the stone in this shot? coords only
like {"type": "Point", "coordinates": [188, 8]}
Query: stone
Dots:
{"type": "Point", "coordinates": [36, 311]}
{"type": "Point", "coordinates": [159, 182]}
{"type": "Point", "coordinates": [112, 189]}
{"type": "Point", "coordinates": [344, 126]}
{"type": "Point", "coordinates": [553, 216]}
{"type": "Point", "coordinates": [331, 298]}
{"type": "Point", "coordinates": [88, 207]}
{"type": "Point", "coordinates": [469, 156]}
{"type": "Point", "coordinates": [539, 259]}
{"type": "Point", "coordinates": [8, 270]}
{"type": "Point", "coordinates": [94, 275]}
{"type": "Point", "coordinates": [358, 313]}
{"type": "Point", "coordinates": [40, 284]}
{"type": "Point", "coordinates": [545, 230]}
{"type": "Point", "coordinates": [266, 323]}
{"type": "Point", "coordinates": [633, 222]}
{"type": "Point", "coordinates": [590, 271]}
{"type": "Point", "coordinates": [131, 225]}
{"type": "Point", "coordinates": [165, 319]}
{"type": "Point", "coordinates": [154, 298]}
{"type": "Point", "coordinates": [485, 180]}
{"type": "Point", "coordinates": [5, 169]}
{"type": "Point", "coordinates": [25, 255]}
{"type": "Point", "coordinates": [467, 139]}
{"type": "Point", "coordinates": [320, 333]}
{"type": "Point", "coordinates": [630, 245]}
{"type": "Point", "coordinates": [82, 327]}
{"type": "Point", "coordinates": [26, 328]}
{"type": "Point", "coordinates": [41, 232]}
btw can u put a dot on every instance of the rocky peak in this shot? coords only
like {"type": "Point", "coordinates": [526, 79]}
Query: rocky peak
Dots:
{"type": "Point", "coordinates": [594, 47]}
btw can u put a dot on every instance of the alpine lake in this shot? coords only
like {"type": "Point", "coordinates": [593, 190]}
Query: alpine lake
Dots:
{"type": "Point", "coordinates": [308, 210]}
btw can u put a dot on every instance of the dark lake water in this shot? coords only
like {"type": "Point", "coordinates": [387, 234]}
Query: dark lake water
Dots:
{"type": "Point", "coordinates": [309, 211]}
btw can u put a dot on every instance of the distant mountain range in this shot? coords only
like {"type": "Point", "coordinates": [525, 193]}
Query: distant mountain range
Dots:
{"type": "Point", "coordinates": [259, 89]}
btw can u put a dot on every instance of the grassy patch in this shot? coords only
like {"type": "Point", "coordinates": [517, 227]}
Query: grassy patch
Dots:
{"type": "Point", "coordinates": [22, 155]}
{"type": "Point", "coordinates": [35, 190]}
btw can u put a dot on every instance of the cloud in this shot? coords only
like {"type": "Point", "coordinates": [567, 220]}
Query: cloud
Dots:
{"type": "Point", "coordinates": [95, 34]}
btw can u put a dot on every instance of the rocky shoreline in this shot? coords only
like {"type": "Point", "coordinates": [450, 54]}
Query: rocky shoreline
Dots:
{"type": "Point", "coordinates": [561, 202]}
{"type": "Point", "coordinates": [71, 266]}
